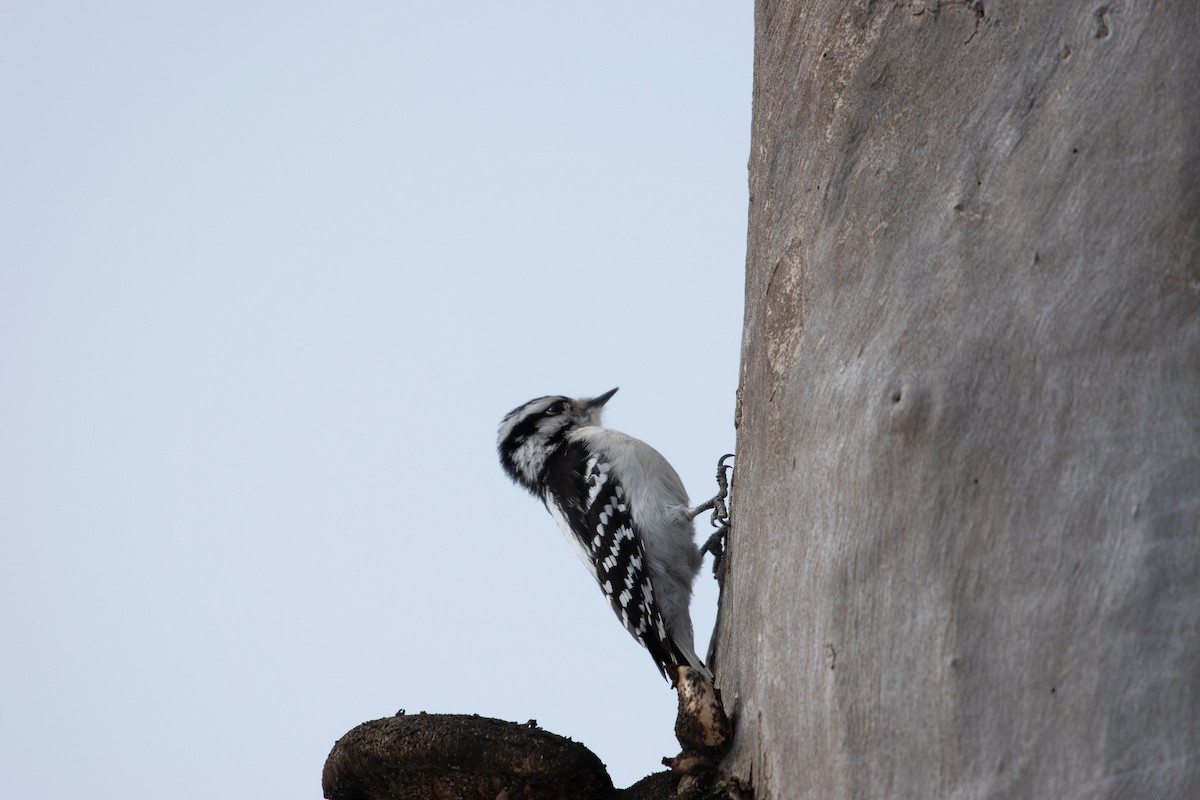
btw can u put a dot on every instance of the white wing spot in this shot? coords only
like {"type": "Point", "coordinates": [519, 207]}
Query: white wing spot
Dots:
{"type": "Point", "coordinates": [597, 475]}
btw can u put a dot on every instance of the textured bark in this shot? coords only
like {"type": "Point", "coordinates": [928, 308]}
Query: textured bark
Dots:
{"type": "Point", "coordinates": [966, 543]}
{"type": "Point", "coordinates": [460, 757]}
{"type": "Point", "coordinates": [457, 757]}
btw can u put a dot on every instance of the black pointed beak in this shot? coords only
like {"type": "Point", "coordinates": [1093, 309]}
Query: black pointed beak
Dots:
{"type": "Point", "coordinates": [597, 402]}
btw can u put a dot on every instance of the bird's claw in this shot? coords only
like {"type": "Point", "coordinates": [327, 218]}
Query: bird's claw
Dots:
{"type": "Point", "coordinates": [715, 544]}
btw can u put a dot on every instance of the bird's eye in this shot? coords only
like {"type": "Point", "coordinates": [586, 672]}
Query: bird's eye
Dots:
{"type": "Point", "coordinates": [555, 408]}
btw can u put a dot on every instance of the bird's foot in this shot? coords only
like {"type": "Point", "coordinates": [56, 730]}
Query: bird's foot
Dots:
{"type": "Point", "coordinates": [715, 544]}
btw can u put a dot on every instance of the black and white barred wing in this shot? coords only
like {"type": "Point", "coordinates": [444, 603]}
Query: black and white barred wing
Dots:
{"type": "Point", "coordinates": [620, 560]}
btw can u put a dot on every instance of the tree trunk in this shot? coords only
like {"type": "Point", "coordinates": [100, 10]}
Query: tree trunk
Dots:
{"type": "Point", "coordinates": [965, 557]}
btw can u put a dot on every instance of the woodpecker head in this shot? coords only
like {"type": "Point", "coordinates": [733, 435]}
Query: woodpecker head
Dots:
{"type": "Point", "coordinates": [531, 433]}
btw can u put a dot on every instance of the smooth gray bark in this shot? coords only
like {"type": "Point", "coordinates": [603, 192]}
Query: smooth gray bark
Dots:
{"type": "Point", "coordinates": [966, 543]}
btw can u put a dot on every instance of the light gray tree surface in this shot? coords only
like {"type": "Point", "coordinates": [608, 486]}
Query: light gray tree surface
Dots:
{"type": "Point", "coordinates": [966, 544]}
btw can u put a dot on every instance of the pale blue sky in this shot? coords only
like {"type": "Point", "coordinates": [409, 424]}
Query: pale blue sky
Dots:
{"type": "Point", "coordinates": [270, 275]}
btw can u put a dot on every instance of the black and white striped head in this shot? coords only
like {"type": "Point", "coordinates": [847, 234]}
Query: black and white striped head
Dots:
{"type": "Point", "coordinates": [531, 433]}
